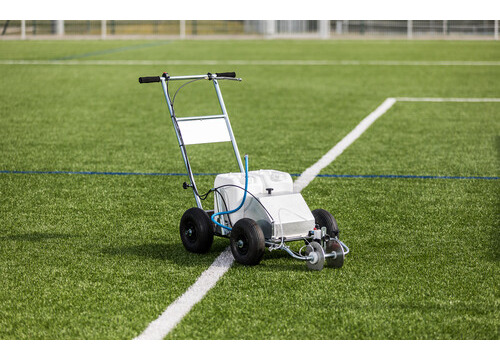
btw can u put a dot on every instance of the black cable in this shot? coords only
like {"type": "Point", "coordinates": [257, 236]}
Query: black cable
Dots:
{"type": "Point", "coordinates": [204, 196]}
{"type": "Point", "coordinates": [180, 87]}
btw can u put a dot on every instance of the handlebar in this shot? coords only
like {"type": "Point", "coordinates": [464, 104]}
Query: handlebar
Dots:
{"type": "Point", "coordinates": [226, 74]}
{"type": "Point", "coordinates": [208, 76]}
{"type": "Point", "coordinates": [149, 79]}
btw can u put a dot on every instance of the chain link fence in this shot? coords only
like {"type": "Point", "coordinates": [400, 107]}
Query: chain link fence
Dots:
{"type": "Point", "coordinates": [412, 29]}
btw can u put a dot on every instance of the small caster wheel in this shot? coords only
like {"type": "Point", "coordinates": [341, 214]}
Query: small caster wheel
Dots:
{"type": "Point", "coordinates": [315, 250]}
{"type": "Point", "coordinates": [333, 246]}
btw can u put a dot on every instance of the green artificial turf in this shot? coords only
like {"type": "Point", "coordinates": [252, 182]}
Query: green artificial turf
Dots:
{"type": "Point", "coordinates": [99, 256]}
{"type": "Point", "coordinates": [441, 139]}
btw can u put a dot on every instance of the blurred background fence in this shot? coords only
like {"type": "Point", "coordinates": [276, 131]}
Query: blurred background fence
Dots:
{"type": "Point", "coordinates": [411, 29]}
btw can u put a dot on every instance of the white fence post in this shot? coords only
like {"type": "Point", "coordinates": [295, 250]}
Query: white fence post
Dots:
{"type": "Point", "coordinates": [410, 29]}
{"type": "Point", "coordinates": [338, 28]}
{"type": "Point", "coordinates": [103, 29]}
{"type": "Point", "coordinates": [182, 29]}
{"type": "Point", "coordinates": [324, 29]}
{"type": "Point", "coordinates": [496, 30]}
{"type": "Point", "coordinates": [60, 27]}
{"type": "Point", "coordinates": [445, 27]}
{"type": "Point", "coordinates": [270, 28]}
{"type": "Point", "coordinates": [23, 29]}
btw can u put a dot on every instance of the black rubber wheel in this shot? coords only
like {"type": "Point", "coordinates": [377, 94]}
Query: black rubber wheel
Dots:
{"type": "Point", "coordinates": [247, 242]}
{"type": "Point", "coordinates": [197, 232]}
{"type": "Point", "coordinates": [324, 218]}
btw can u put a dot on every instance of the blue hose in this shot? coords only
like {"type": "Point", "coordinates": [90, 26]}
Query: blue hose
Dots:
{"type": "Point", "coordinates": [242, 201]}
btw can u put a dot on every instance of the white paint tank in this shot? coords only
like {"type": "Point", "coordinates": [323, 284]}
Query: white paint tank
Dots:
{"type": "Point", "coordinates": [285, 209]}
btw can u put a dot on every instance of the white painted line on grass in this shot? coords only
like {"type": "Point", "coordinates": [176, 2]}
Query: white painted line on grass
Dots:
{"type": "Point", "coordinates": [307, 176]}
{"type": "Point", "coordinates": [253, 62]}
{"type": "Point", "coordinates": [448, 99]}
{"type": "Point", "coordinates": [159, 328]}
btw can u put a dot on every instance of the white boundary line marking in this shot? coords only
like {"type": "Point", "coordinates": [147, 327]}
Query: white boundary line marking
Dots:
{"type": "Point", "coordinates": [448, 99]}
{"type": "Point", "coordinates": [252, 62]}
{"type": "Point", "coordinates": [176, 311]}
{"type": "Point", "coordinates": [310, 174]}
{"type": "Point", "coordinates": [307, 176]}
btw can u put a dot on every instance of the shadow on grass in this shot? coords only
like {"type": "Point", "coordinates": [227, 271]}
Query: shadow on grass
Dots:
{"type": "Point", "coordinates": [176, 253]}
{"type": "Point", "coordinates": [37, 236]}
{"type": "Point", "coordinates": [167, 251]}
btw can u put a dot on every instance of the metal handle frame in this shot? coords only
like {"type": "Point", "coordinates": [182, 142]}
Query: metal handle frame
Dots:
{"type": "Point", "coordinates": [182, 146]}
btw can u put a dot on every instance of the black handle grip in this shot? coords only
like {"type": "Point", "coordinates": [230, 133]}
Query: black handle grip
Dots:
{"type": "Point", "coordinates": [149, 79]}
{"type": "Point", "coordinates": [226, 74]}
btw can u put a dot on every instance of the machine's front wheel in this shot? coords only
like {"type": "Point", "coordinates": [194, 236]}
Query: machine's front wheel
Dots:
{"type": "Point", "coordinates": [324, 219]}
{"type": "Point", "coordinates": [197, 232]}
{"type": "Point", "coordinates": [247, 242]}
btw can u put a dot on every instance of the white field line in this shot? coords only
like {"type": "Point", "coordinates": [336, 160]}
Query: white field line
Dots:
{"type": "Point", "coordinates": [307, 176]}
{"type": "Point", "coordinates": [174, 313]}
{"type": "Point", "coordinates": [252, 62]}
{"type": "Point", "coordinates": [448, 99]}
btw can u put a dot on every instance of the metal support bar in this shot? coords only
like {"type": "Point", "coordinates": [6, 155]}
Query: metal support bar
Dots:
{"type": "Point", "coordinates": [181, 144]}
{"type": "Point", "coordinates": [346, 249]}
{"type": "Point", "coordinates": [175, 122]}
{"type": "Point", "coordinates": [295, 256]}
{"type": "Point", "coordinates": [188, 77]}
{"type": "Point", "coordinates": [208, 117]}
{"type": "Point", "coordinates": [286, 248]}
{"type": "Point", "coordinates": [228, 124]}
{"type": "Point", "coordinates": [206, 77]}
